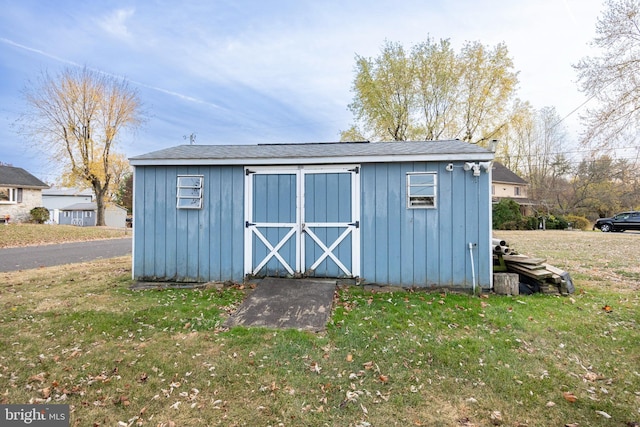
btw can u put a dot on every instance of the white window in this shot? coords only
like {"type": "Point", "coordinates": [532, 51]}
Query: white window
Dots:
{"type": "Point", "coordinates": [87, 214]}
{"type": "Point", "coordinates": [516, 191]}
{"type": "Point", "coordinates": [189, 192]}
{"type": "Point", "coordinates": [10, 195]}
{"type": "Point", "coordinates": [422, 190]}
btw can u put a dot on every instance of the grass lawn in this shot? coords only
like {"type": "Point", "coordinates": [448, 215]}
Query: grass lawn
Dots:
{"type": "Point", "coordinates": [77, 335]}
{"type": "Point", "coordinates": [13, 235]}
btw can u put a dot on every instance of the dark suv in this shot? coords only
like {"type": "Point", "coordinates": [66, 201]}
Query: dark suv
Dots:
{"type": "Point", "coordinates": [620, 222]}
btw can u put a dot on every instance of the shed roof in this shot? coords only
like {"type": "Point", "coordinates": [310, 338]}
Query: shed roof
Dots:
{"type": "Point", "coordinates": [500, 173]}
{"type": "Point", "coordinates": [91, 206]}
{"type": "Point", "coordinates": [81, 207]}
{"type": "Point", "coordinates": [11, 176]}
{"type": "Point", "coordinates": [314, 153]}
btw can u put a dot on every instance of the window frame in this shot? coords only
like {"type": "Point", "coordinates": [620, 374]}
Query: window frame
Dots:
{"type": "Point", "coordinates": [14, 195]}
{"type": "Point", "coordinates": [413, 199]}
{"type": "Point", "coordinates": [183, 187]}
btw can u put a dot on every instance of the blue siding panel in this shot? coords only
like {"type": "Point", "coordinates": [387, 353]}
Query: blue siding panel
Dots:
{"type": "Point", "coordinates": [170, 229]}
{"type": "Point", "coordinates": [425, 247]}
{"type": "Point", "coordinates": [188, 244]}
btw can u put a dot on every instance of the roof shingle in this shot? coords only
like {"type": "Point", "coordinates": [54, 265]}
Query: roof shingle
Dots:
{"type": "Point", "coordinates": [11, 176]}
{"type": "Point", "coordinates": [315, 152]}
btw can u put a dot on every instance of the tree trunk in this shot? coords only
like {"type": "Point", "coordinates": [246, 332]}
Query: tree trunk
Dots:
{"type": "Point", "coordinates": [100, 204]}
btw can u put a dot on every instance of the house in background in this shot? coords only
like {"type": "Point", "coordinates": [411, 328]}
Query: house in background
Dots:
{"type": "Point", "coordinates": [505, 184]}
{"type": "Point", "coordinates": [56, 198]}
{"type": "Point", "coordinates": [19, 193]}
{"type": "Point", "coordinates": [71, 206]}
{"type": "Point", "coordinates": [396, 213]}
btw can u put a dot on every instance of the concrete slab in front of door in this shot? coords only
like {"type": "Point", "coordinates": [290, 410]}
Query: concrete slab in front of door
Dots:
{"type": "Point", "coordinates": [303, 304]}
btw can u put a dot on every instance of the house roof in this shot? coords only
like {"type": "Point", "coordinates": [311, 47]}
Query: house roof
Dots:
{"type": "Point", "coordinates": [11, 176]}
{"type": "Point", "coordinates": [314, 153]}
{"type": "Point", "coordinates": [91, 206]}
{"type": "Point", "coordinates": [500, 173]}
{"type": "Point", "coordinates": [58, 191]}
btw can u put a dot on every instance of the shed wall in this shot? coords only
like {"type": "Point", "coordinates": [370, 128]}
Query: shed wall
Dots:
{"type": "Point", "coordinates": [425, 247]}
{"type": "Point", "coordinates": [399, 246]}
{"type": "Point", "coordinates": [188, 244]}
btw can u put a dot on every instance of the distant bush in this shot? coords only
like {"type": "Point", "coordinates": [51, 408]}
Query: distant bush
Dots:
{"type": "Point", "coordinates": [506, 213]}
{"type": "Point", "coordinates": [39, 215]}
{"type": "Point", "coordinates": [556, 223]}
{"type": "Point", "coordinates": [579, 222]}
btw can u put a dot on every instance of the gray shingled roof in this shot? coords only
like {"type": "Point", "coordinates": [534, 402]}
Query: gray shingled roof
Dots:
{"type": "Point", "coordinates": [11, 176]}
{"type": "Point", "coordinates": [500, 173]}
{"type": "Point", "coordinates": [81, 207]}
{"type": "Point", "coordinates": [305, 153]}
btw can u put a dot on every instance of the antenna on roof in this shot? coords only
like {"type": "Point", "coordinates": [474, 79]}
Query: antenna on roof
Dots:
{"type": "Point", "coordinates": [192, 138]}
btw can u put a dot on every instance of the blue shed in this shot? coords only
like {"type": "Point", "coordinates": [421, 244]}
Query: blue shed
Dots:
{"type": "Point", "coordinates": [393, 213]}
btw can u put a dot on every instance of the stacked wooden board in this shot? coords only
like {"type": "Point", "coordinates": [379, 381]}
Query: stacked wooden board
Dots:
{"type": "Point", "coordinates": [535, 273]}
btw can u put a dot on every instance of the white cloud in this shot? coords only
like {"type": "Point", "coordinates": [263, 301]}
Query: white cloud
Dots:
{"type": "Point", "coordinates": [115, 22]}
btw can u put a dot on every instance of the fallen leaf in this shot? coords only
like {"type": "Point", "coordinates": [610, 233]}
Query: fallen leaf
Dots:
{"type": "Point", "coordinates": [569, 397]}
{"type": "Point", "coordinates": [590, 376]}
{"type": "Point", "coordinates": [349, 357]}
{"type": "Point", "coordinates": [496, 418]}
{"type": "Point", "coordinates": [604, 414]}
{"type": "Point", "coordinates": [38, 377]}
{"type": "Point", "coordinates": [383, 378]}
{"type": "Point", "coordinates": [572, 425]}
{"type": "Point", "coordinates": [550, 404]}
{"type": "Point", "coordinates": [607, 309]}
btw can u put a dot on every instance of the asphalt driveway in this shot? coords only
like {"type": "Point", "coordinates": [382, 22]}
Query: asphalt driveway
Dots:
{"type": "Point", "coordinates": [24, 258]}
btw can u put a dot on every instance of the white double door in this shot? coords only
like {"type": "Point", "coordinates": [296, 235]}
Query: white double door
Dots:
{"type": "Point", "coordinates": [302, 221]}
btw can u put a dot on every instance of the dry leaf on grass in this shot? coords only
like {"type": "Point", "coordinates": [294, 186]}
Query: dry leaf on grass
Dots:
{"type": "Point", "coordinates": [569, 397]}
{"type": "Point", "coordinates": [603, 414]}
{"type": "Point", "coordinates": [496, 418]}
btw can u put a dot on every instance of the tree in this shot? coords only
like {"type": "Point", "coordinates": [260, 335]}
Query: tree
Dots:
{"type": "Point", "coordinates": [76, 117]}
{"type": "Point", "coordinates": [432, 93]}
{"type": "Point", "coordinates": [124, 196]}
{"type": "Point", "coordinates": [613, 78]}
{"type": "Point", "coordinates": [385, 93]}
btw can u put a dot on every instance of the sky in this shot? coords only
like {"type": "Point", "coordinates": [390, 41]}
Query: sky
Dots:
{"type": "Point", "coordinates": [268, 71]}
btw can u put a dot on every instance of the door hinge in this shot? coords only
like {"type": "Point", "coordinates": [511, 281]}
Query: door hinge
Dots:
{"type": "Point", "coordinates": [355, 224]}
{"type": "Point", "coordinates": [248, 224]}
{"type": "Point", "coordinates": [248, 172]}
{"type": "Point", "coordinates": [355, 170]}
